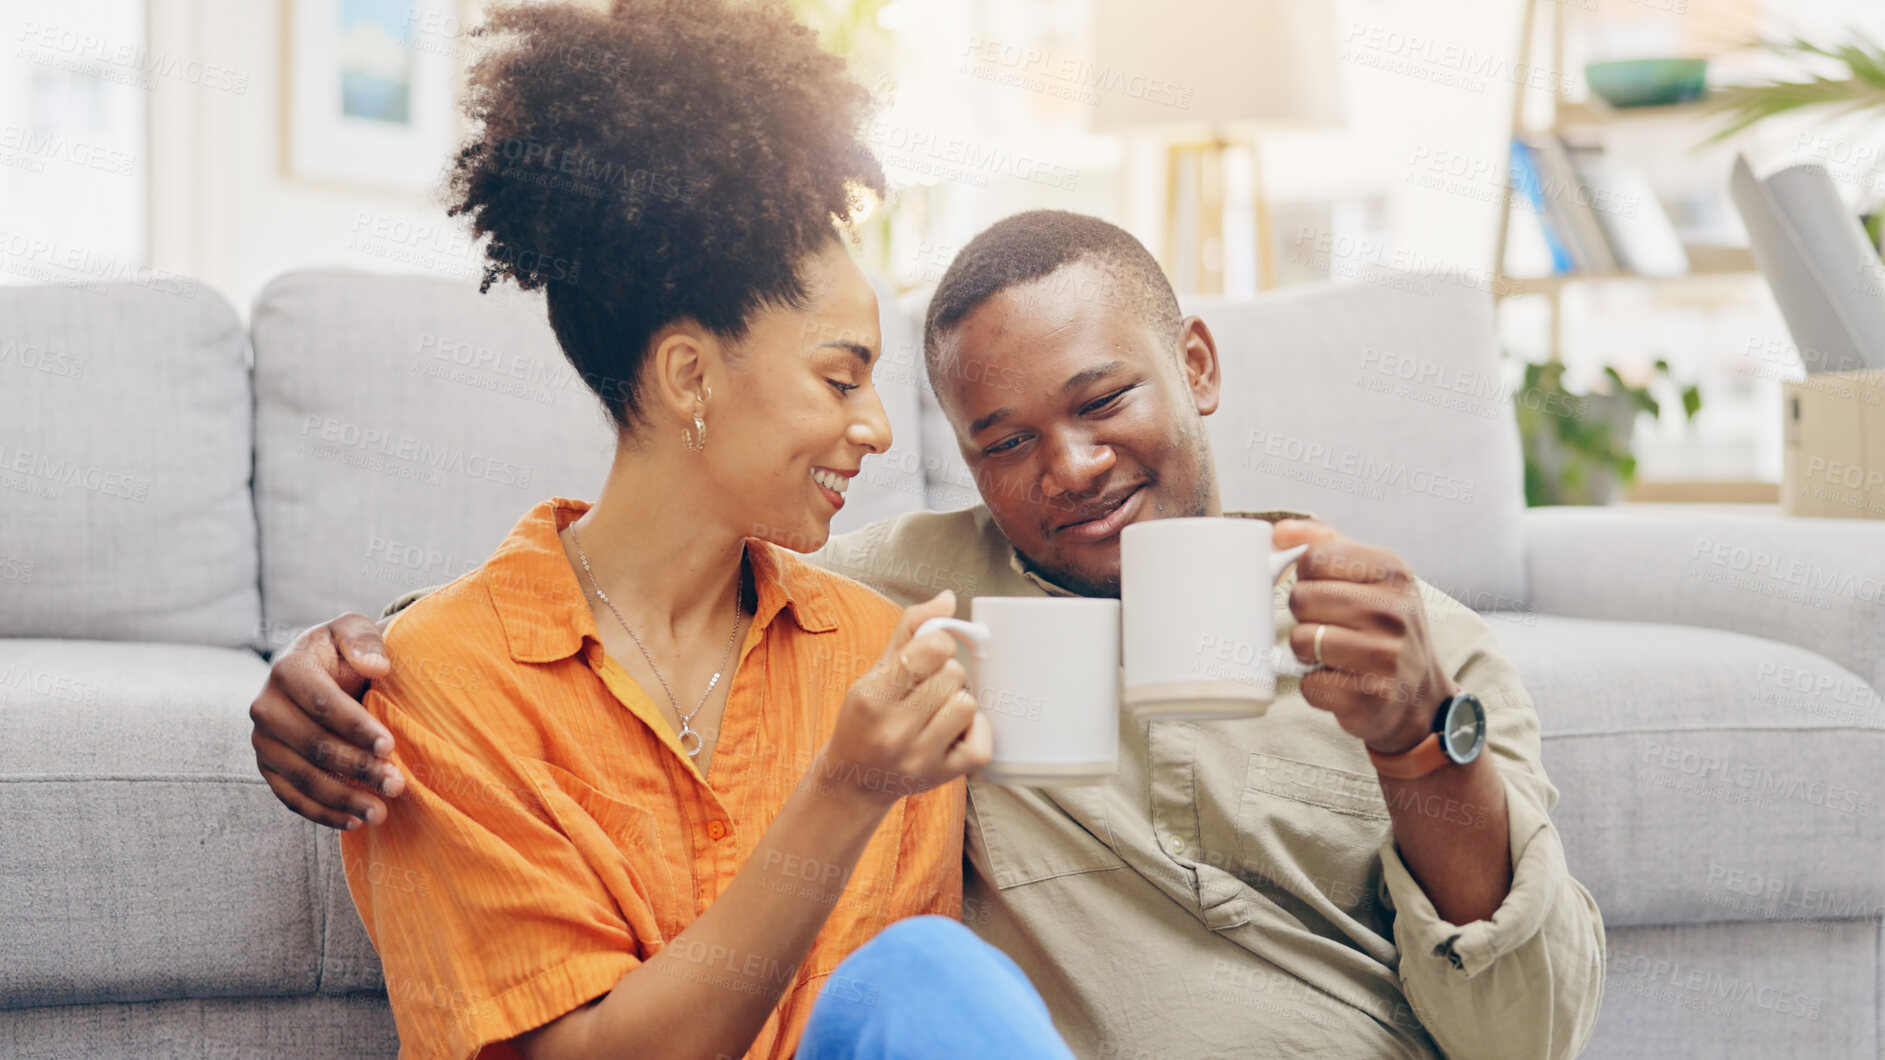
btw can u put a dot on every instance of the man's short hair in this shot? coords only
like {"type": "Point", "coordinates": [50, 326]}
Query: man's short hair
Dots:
{"type": "Point", "coordinates": [1028, 246]}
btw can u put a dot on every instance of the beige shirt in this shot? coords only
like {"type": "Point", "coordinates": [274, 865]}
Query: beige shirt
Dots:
{"type": "Point", "coordinates": [1234, 890]}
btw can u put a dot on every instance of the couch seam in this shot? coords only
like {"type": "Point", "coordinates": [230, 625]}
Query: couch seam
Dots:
{"type": "Point", "coordinates": [1591, 733]}
{"type": "Point", "coordinates": [128, 778]}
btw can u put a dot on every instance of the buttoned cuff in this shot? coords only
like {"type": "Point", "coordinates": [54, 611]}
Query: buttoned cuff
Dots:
{"type": "Point", "coordinates": [1537, 871]}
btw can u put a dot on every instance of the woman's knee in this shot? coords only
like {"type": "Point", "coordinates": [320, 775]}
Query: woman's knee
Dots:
{"type": "Point", "coordinates": [918, 942]}
{"type": "Point", "coordinates": [930, 979]}
{"type": "Point", "coordinates": [936, 952]}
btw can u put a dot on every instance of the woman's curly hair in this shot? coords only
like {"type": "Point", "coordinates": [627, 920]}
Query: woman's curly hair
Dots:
{"type": "Point", "coordinates": [660, 161]}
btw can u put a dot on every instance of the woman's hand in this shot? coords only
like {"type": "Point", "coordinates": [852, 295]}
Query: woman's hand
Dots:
{"type": "Point", "coordinates": [909, 724]}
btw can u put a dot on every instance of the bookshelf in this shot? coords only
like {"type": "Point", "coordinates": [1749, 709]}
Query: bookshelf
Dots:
{"type": "Point", "coordinates": [1730, 262]}
{"type": "Point", "coordinates": [1708, 266]}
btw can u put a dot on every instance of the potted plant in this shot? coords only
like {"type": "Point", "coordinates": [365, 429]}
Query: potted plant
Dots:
{"type": "Point", "coordinates": [1577, 445]}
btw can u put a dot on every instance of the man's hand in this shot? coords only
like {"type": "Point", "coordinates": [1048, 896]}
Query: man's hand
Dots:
{"type": "Point", "coordinates": [312, 735]}
{"type": "Point", "coordinates": [1383, 684]}
{"type": "Point", "coordinates": [1381, 679]}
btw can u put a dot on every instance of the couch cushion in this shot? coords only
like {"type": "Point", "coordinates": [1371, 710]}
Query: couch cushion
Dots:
{"type": "Point", "coordinates": [403, 424]}
{"type": "Point", "coordinates": [249, 1028]}
{"type": "Point", "coordinates": [1806, 988]}
{"type": "Point", "coordinates": [1416, 448]}
{"type": "Point", "coordinates": [1706, 776]}
{"type": "Point", "coordinates": [142, 856]}
{"type": "Point", "coordinates": [125, 433]}
{"type": "Point", "coordinates": [1382, 410]}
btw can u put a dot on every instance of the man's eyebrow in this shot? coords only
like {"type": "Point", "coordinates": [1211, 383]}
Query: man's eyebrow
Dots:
{"type": "Point", "coordinates": [990, 420]}
{"type": "Point", "coordinates": [1074, 382]}
{"type": "Point", "coordinates": [863, 352]}
{"type": "Point", "coordinates": [1082, 378]}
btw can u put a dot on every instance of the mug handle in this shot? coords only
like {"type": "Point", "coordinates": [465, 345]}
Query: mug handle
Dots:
{"type": "Point", "coordinates": [974, 633]}
{"type": "Point", "coordinates": [1283, 662]}
{"type": "Point", "coordinates": [1280, 560]}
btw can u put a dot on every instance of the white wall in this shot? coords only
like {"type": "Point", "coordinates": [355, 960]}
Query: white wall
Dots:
{"type": "Point", "coordinates": [226, 210]}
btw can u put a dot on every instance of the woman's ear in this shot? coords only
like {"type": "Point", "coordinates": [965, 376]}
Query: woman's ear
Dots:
{"type": "Point", "coordinates": [681, 369]}
{"type": "Point", "coordinates": [1197, 358]}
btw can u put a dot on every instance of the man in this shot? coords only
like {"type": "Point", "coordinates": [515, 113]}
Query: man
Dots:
{"type": "Point", "coordinates": [1322, 881]}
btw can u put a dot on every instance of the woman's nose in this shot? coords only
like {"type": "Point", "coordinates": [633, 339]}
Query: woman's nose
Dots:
{"type": "Point", "coordinates": [872, 427]}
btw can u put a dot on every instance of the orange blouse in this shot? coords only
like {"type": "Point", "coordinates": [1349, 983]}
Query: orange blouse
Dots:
{"type": "Point", "coordinates": [552, 835]}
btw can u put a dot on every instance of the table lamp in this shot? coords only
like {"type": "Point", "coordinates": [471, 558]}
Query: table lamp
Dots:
{"type": "Point", "coordinates": [1205, 75]}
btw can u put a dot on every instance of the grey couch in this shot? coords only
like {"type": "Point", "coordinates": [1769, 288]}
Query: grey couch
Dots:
{"type": "Point", "coordinates": [179, 495]}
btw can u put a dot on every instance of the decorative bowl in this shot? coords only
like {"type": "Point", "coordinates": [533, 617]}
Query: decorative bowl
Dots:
{"type": "Point", "coordinates": [1647, 82]}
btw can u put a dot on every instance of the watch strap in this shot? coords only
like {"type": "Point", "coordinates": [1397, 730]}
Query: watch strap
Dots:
{"type": "Point", "coordinates": [1423, 758]}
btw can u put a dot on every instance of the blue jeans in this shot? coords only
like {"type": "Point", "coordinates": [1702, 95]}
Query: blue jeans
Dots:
{"type": "Point", "coordinates": [927, 987]}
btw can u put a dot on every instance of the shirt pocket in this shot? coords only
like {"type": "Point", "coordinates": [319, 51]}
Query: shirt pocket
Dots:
{"type": "Point", "coordinates": [621, 843]}
{"type": "Point", "coordinates": [1311, 834]}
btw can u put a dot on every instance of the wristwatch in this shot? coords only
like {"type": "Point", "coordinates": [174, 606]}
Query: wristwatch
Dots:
{"type": "Point", "coordinates": [1459, 734]}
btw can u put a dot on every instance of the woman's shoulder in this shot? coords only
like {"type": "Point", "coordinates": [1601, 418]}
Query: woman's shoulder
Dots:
{"type": "Point", "coordinates": [462, 604]}
{"type": "Point", "coordinates": [521, 589]}
{"type": "Point", "coordinates": [446, 645]}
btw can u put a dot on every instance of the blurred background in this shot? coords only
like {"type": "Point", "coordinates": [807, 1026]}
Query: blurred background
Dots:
{"type": "Point", "coordinates": [1251, 144]}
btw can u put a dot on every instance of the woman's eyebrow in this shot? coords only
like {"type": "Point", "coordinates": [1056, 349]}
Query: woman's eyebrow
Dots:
{"type": "Point", "coordinates": [863, 352]}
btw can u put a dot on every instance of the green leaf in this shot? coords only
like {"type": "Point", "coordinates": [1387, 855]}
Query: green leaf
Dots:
{"type": "Point", "coordinates": [1860, 91]}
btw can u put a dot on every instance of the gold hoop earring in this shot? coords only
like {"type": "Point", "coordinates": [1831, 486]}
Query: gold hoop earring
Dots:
{"type": "Point", "coordinates": [696, 440]}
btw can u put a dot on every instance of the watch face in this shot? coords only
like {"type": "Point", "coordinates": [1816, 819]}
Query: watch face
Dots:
{"type": "Point", "coordinates": [1464, 733]}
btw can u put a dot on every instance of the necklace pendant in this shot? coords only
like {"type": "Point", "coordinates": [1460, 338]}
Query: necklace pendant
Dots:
{"type": "Point", "coordinates": [686, 732]}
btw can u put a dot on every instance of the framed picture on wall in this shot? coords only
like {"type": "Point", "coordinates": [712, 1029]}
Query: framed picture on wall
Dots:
{"type": "Point", "coordinates": [369, 98]}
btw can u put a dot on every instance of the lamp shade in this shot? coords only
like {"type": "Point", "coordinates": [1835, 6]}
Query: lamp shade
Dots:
{"type": "Point", "coordinates": [1216, 63]}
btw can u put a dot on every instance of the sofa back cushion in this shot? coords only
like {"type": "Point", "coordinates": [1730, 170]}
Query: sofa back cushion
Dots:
{"type": "Point", "coordinates": [125, 433]}
{"type": "Point", "coordinates": [404, 424]}
{"type": "Point", "coordinates": [1385, 411]}
{"type": "Point", "coordinates": [1379, 409]}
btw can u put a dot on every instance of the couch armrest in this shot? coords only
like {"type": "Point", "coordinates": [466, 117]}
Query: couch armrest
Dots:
{"type": "Point", "coordinates": [1815, 583]}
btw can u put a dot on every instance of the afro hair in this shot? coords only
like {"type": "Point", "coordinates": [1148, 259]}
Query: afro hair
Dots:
{"type": "Point", "coordinates": [662, 160]}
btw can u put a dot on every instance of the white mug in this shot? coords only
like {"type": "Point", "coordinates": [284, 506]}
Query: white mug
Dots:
{"type": "Point", "coordinates": [1200, 633]}
{"type": "Point", "coordinates": [1046, 672]}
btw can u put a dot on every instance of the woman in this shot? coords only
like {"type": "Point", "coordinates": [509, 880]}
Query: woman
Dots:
{"type": "Point", "coordinates": [663, 776]}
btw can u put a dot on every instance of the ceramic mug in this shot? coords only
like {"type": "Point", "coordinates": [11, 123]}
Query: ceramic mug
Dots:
{"type": "Point", "coordinates": [1046, 672]}
{"type": "Point", "coordinates": [1199, 629]}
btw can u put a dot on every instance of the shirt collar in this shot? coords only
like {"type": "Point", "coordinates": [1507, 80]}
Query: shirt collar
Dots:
{"type": "Point", "coordinates": [541, 602]}
{"type": "Point", "coordinates": [1021, 565]}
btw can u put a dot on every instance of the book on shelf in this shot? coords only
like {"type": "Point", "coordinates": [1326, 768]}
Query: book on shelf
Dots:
{"type": "Point", "coordinates": [1598, 216]}
{"type": "Point", "coordinates": [1571, 207]}
{"type": "Point", "coordinates": [1624, 204]}
{"type": "Point", "coordinates": [1529, 182]}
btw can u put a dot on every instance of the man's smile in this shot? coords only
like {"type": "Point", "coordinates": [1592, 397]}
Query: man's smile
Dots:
{"type": "Point", "coordinates": [1101, 519]}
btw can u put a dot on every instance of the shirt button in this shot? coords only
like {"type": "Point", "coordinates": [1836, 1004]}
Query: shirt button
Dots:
{"type": "Point", "coordinates": [716, 830]}
{"type": "Point", "coordinates": [1175, 844]}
